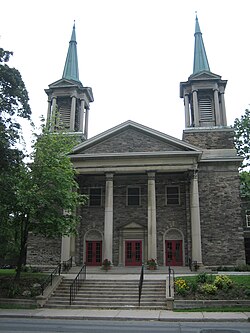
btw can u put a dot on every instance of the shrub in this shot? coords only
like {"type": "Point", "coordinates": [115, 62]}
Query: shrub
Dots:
{"type": "Point", "coordinates": [193, 286]}
{"type": "Point", "coordinates": [208, 288]}
{"type": "Point", "coordinates": [181, 286]}
{"type": "Point", "coordinates": [223, 282]}
{"type": "Point", "coordinates": [202, 278]}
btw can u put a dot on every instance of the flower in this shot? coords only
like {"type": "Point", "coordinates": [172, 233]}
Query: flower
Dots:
{"type": "Point", "coordinates": [152, 262]}
{"type": "Point", "coordinates": [106, 264]}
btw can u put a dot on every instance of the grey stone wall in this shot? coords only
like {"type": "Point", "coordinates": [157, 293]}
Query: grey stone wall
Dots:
{"type": "Point", "coordinates": [210, 139]}
{"type": "Point", "coordinates": [171, 216]}
{"type": "Point", "coordinates": [131, 141]}
{"type": "Point", "coordinates": [91, 217]}
{"type": "Point", "coordinates": [43, 251]}
{"type": "Point", "coordinates": [221, 224]}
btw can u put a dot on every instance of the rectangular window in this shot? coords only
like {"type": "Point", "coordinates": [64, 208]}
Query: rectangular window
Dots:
{"type": "Point", "coordinates": [172, 195]}
{"type": "Point", "coordinates": [248, 220]}
{"type": "Point", "coordinates": [95, 196]}
{"type": "Point", "coordinates": [133, 196]}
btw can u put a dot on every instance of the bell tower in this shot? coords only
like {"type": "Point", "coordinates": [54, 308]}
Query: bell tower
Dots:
{"type": "Point", "coordinates": [68, 99]}
{"type": "Point", "coordinates": [203, 94]}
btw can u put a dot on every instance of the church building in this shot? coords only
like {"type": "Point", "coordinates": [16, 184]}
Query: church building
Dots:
{"type": "Point", "coordinates": [150, 195]}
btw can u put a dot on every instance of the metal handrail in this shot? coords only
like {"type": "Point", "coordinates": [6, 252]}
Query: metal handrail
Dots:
{"type": "Point", "coordinates": [75, 285]}
{"type": "Point", "coordinates": [170, 271]}
{"type": "Point", "coordinates": [141, 283]}
{"type": "Point", "coordinates": [50, 278]}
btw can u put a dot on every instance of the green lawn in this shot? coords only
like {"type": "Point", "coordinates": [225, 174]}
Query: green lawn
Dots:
{"type": "Point", "coordinates": [12, 273]}
{"type": "Point", "coordinates": [217, 309]}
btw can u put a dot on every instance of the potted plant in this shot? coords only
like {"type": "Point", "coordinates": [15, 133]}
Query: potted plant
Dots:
{"type": "Point", "coordinates": [152, 264]}
{"type": "Point", "coordinates": [106, 264]}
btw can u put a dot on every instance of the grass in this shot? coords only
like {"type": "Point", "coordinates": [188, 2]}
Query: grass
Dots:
{"type": "Point", "coordinates": [12, 273]}
{"type": "Point", "coordinates": [217, 309]}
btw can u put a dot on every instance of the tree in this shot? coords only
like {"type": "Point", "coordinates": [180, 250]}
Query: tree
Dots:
{"type": "Point", "coordinates": [47, 191]}
{"type": "Point", "coordinates": [14, 104]}
{"type": "Point", "coordinates": [242, 144]}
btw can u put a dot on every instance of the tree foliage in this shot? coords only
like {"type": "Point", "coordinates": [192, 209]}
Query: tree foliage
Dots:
{"type": "Point", "coordinates": [47, 191]}
{"type": "Point", "coordinates": [41, 196]}
{"type": "Point", "coordinates": [14, 103]}
{"type": "Point", "coordinates": [242, 137]}
{"type": "Point", "coordinates": [242, 144]}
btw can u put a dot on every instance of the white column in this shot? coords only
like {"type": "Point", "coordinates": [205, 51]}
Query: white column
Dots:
{"type": "Point", "coordinates": [65, 248]}
{"type": "Point", "coordinates": [152, 245]}
{"type": "Point", "coordinates": [48, 113]}
{"type": "Point", "coordinates": [187, 115]}
{"type": "Point", "coordinates": [217, 108]}
{"type": "Point", "coordinates": [86, 122]}
{"type": "Point", "coordinates": [53, 114]}
{"type": "Point", "coordinates": [72, 113]}
{"type": "Point", "coordinates": [223, 109]}
{"type": "Point", "coordinates": [196, 109]}
{"type": "Point", "coordinates": [81, 116]}
{"type": "Point", "coordinates": [195, 219]}
{"type": "Point", "coordinates": [108, 219]}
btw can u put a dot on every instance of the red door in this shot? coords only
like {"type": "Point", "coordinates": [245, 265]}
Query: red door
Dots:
{"type": "Point", "coordinates": [133, 253]}
{"type": "Point", "coordinates": [174, 253]}
{"type": "Point", "coordinates": [93, 253]}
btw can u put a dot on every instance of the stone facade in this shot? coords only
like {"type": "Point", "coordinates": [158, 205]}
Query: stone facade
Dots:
{"type": "Point", "coordinates": [43, 251]}
{"type": "Point", "coordinates": [212, 138]}
{"type": "Point", "coordinates": [221, 225]}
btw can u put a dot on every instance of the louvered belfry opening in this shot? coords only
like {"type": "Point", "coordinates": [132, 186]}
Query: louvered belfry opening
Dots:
{"type": "Point", "coordinates": [206, 111]}
{"type": "Point", "coordinates": [64, 109]}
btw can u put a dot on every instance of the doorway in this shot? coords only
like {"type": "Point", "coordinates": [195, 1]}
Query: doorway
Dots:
{"type": "Point", "coordinates": [173, 251]}
{"type": "Point", "coordinates": [93, 253]}
{"type": "Point", "coordinates": [133, 253]}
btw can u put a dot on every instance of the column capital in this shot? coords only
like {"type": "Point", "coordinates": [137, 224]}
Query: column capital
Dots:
{"type": "Point", "coordinates": [109, 176]}
{"type": "Point", "coordinates": [151, 175]}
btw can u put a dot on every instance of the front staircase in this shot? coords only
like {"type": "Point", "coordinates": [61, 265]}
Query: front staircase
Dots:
{"type": "Point", "coordinates": [110, 294]}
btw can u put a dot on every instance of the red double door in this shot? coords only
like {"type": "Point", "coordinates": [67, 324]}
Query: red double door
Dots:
{"type": "Point", "coordinates": [174, 253]}
{"type": "Point", "coordinates": [93, 253]}
{"type": "Point", "coordinates": [133, 253]}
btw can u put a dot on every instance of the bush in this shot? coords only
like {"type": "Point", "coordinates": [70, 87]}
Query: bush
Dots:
{"type": "Point", "coordinates": [193, 286]}
{"type": "Point", "coordinates": [202, 278]}
{"type": "Point", "coordinates": [223, 282]}
{"type": "Point", "coordinates": [208, 288]}
{"type": "Point", "coordinates": [181, 286]}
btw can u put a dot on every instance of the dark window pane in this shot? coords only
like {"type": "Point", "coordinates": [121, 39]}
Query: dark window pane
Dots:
{"type": "Point", "coordinates": [173, 195]}
{"type": "Point", "coordinates": [133, 196]}
{"type": "Point", "coordinates": [95, 197]}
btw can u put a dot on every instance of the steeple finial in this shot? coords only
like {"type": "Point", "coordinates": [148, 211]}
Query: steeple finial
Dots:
{"type": "Point", "coordinates": [71, 64]}
{"type": "Point", "coordinates": [200, 56]}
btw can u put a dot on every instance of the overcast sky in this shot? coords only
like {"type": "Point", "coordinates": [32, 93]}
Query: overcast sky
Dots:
{"type": "Point", "coordinates": [133, 53]}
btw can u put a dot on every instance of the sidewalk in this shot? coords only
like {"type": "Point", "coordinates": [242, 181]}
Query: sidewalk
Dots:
{"type": "Point", "coordinates": [161, 315]}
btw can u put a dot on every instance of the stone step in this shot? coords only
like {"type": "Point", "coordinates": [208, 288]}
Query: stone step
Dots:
{"type": "Point", "coordinates": [110, 294]}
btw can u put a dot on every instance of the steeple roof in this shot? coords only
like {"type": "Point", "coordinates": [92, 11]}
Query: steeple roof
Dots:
{"type": "Point", "coordinates": [71, 64]}
{"type": "Point", "coordinates": [200, 56]}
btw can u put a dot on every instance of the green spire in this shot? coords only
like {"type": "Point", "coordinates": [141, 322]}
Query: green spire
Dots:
{"type": "Point", "coordinates": [200, 57]}
{"type": "Point", "coordinates": [71, 64]}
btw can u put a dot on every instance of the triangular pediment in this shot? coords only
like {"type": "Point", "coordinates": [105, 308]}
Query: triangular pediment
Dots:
{"type": "Point", "coordinates": [133, 225]}
{"type": "Point", "coordinates": [131, 137]}
{"type": "Point", "coordinates": [62, 83]}
{"type": "Point", "coordinates": [204, 75]}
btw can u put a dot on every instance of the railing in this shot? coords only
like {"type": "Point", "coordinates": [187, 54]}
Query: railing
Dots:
{"type": "Point", "coordinates": [170, 271]}
{"type": "Point", "coordinates": [141, 283]}
{"type": "Point", "coordinates": [50, 278]}
{"type": "Point", "coordinates": [75, 285]}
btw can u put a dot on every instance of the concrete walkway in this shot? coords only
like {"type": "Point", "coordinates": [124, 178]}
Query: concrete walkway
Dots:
{"type": "Point", "coordinates": [157, 315]}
